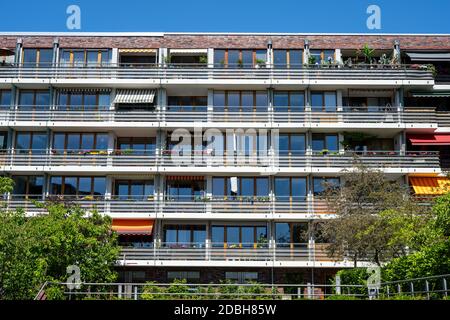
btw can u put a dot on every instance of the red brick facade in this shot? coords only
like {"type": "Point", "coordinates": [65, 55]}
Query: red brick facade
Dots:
{"type": "Point", "coordinates": [407, 42]}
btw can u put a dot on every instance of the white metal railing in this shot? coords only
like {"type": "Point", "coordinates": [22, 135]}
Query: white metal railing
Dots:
{"type": "Point", "coordinates": [203, 71]}
{"type": "Point", "coordinates": [220, 115]}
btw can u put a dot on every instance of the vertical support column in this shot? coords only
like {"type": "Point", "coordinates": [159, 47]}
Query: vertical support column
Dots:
{"type": "Point", "coordinates": [397, 52]}
{"type": "Point", "coordinates": [269, 62]}
{"type": "Point", "coordinates": [306, 52]}
{"type": "Point", "coordinates": [162, 56]}
{"type": "Point", "coordinates": [115, 57]}
{"type": "Point", "coordinates": [161, 103]}
{"type": "Point", "coordinates": [270, 109]}
{"type": "Point", "coordinates": [18, 52]}
{"type": "Point", "coordinates": [55, 58]}
{"type": "Point", "coordinates": [210, 58]}
{"type": "Point", "coordinates": [210, 107]}
{"type": "Point", "coordinates": [338, 57]}
{"type": "Point", "coordinates": [310, 195]}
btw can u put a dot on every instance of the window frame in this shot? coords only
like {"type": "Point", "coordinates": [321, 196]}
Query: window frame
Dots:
{"type": "Point", "coordinates": [241, 245]}
{"type": "Point", "coordinates": [288, 59]}
{"type": "Point", "coordinates": [37, 63]}
{"type": "Point", "coordinates": [77, 195]}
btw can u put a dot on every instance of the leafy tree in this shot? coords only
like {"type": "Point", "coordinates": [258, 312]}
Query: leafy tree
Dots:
{"type": "Point", "coordinates": [38, 249]}
{"type": "Point", "coordinates": [375, 219]}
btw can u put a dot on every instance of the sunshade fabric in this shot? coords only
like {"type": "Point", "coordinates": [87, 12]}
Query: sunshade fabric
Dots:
{"type": "Point", "coordinates": [185, 178]}
{"type": "Point", "coordinates": [133, 226]}
{"type": "Point", "coordinates": [188, 51]}
{"type": "Point", "coordinates": [430, 139]}
{"type": "Point", "coordinates": [135, 96]}
{"type": "Point", "coordinates": [429, 56]}
{"type": "Point", "coordinates": [445, 94]}
{"type": "Point", "coordinates": [430, 185]}
{"type": "Point", "coordinates": [137, 50]}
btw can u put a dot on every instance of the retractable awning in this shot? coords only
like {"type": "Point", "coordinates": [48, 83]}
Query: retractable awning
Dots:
{"type": "Point", "coordinates": [430, 185]}
{"type": "Point", "coordinates": [429, 56]}
{"type": "Point", "coordinates": [137, 50]}
{"type": "Point", "coordinates": [135, 96]}
{"type": "Point", "coordinates": [430, 139]}
{"type": "Point", "coordinates": [133, 226]}
{"type": "Point", "coordinates": [188, 51]}
{"type": "Point", "coordinates": [443, 94]}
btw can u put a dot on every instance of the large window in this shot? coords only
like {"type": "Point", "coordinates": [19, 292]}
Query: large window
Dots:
{"type": "Point", "coordinates": [134, 189]}
{"type": "Point", "coordinates": [322, 143]}
{"type": "Point", "coordinates": [34, 100]}
{"type": "Point", "coordinates": [291, 144]}
{"type": "Point", "coordinates": [189, 276]}
{"type": "Point", "coordinates": [187, 103]}
{"type": "Point", "coordinates": [80, 142]}
{"type": "Point", "coordinates": [3, 141]}
{"type": "Point", "coordinates": [183, 235]}
{"type": "Point", "coordinates": [323, 101]}
{"type": "Point", "coordinates": [291, 58]}
{"type": "Point", "coordinates": [37, 58]}
{"type": "Point", "coordinates": [241, 277]}
{"type": "Point", "coordinates": [29, 187]}
{"type": "Point", "coordinates": [139, 146]}
{"type": "Point", "coordinates": [289, 101]}
{"type": "Point", "coordinates": [240, 101]}
{"type": "Point", "coordinates": [322, 56]}
{"type": "Point", "coordinates": [31, 142]}
{"type": "Point", "coordinates": [182, 189]}
{"type": "Point", "coordinates": [78, 187]}
{"type": "Point", "coordinates": [5, 99]}
{"type": "Point", "coordinates": [236, 58]}
{"type": "Point", "coordinates": [83, 100]}
{"type": "Point", "coordinates": [248, 188]}
{"type": "Point", "coordinates": [290, 189]}
{"type": "Point", "coordinates": [320, 185]}
{"type": "Point", "coordinates": [239, 236]}
{"type": "Point", "coordinates": [83, 58]}
{"type": "Point", "coordinates": [291, 234]}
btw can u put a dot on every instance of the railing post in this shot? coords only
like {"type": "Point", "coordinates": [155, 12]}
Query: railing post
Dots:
{"type": "Point", "coordinates": [399, 289]}
{"type": "Point", "coordinates": [427, 289]}
{"type": "Point", "coordinates": [411, 285]}
{"type": "Point", "coordinates": [444, 284]}
{"type": "Point", "coordinates": [208, 249]}
{"type": "Point", "coordinates": [135, 292]}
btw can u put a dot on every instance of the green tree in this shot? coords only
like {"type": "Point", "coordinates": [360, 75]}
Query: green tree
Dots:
{"type": "Point", "coordinates": [38, 249]}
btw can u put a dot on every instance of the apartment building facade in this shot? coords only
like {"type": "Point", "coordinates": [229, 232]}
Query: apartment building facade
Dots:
{"type": "Point", "coordinates": [210, 151]}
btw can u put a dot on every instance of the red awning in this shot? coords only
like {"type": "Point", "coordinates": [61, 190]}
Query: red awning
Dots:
{"type": "Point", "coordinates": [430, 139]}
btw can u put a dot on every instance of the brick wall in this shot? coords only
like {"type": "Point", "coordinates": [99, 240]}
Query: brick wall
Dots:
{"type": "Point", "coordinates": [407, 42]}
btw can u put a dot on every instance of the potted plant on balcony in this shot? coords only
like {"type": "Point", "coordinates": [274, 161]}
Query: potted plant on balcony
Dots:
{"type": "Point", "coordinates": [324, 152]}
{"type": "Point", "coordinates": [203, 60]}
{"type": "Point", "coordinates": [312, 61]}
{"type": "Point", "coordinates": [240, 64]}
{"type": "Point", "coordinates": [260, 63]}
{"type": "Point", "coordinates": [150, 197]}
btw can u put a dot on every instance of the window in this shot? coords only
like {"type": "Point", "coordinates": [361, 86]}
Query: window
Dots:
{"type": "Point", "coordinates": [5, 99]}
{"type": "Point", "coordinates": [291, 234]}
{"type": "Point", "coordinates": [325, 142]}
{"type": "Point", "coordinates": [3, 141]}
{"type": "Point", "coordinates": [289, 101]}
{"type": "Point", "coordinates": [76, 142]}
{"type": "Point", "coordinates": [31, 142]}
{"type": "Point", "coordinates": [178, 189]}
{"type": "Point", "coordinates": [78, 187]}
{"type": "Point", "coordinates": [239, 236]}
{"type": "Point", "coordinates": [191, 236]}
{"type": "Point", "coordinates": [292, 59]}
{"type": "Point", "coordinates": [37, 58]}
{"type": "Point", "coordinates": [83, 58]}
{"type": "Point", "coordinates": [28, 187]}
{"type": "Point", "coordinates": [139, 146]}
{"type": "Point", "coordinates": [83, 100]}
{"type": "Point", "coordinates": [320, 185]}
{"type": "Point", "coordinates": [323, 101]}
{"type": "Point", "coordinates": [34, 100]}
{"type": "Point", "coordinates": [234, 58]}
{"type": "Point", "coordinates": [240, 101]}
{"type": "Point", "coordinates": [187, 103]}
{"type": "Point", "coordinates": [189, 276]}
{"type": "Point", "coordinates": [248, 187]}
{"type": "Point", "coordinates": [241, 277]}
{"type": "Point", "coordinates": [134, 189]}
{"type": "Point", "coordinates": [322, 56]}
{"type": "Point", "coordinates": [291, 144]}
{"type": "Point", "coordinates": [290, 189]}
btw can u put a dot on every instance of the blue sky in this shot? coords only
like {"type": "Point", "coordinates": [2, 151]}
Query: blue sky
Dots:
{"type": "Point", "coordinates": [398, 16]}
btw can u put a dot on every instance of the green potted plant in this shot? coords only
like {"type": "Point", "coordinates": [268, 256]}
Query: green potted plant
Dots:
{"type": "Point", "coordinates": [203, 60]}
{"type": "Point", "coordinates": [324, 152]}
{"type": "Point", "coordinates": [260, 63]}
{"type": "Point", "coordinates": [367, 52]}
{"type": "Point", "coordinates": [312, 60]}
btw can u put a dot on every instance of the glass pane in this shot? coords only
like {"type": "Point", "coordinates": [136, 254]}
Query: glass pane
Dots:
{"type": "Point", "coordinates": [261, 57]}
{"type": "Point", "coordinates": [70, 186]}
{"type": "Point", "coordinates": [233, 236]}
{"type": "Point", "coordinates": [90, 99]}
{"type": "Point", "coordinates": [65, 58]}
{"type": "Point", "coordinates": [318, 142]}
{"type": "Point", "coordinates": [300, 233]}
{"type": "Point", "coordinates": [297, 101]}
{"type": "Point", "coordinates": [218, 187]}
{"type": "Point", "coordinates": [219, 58]}
{"type": "Point", "coordinates": [199, 237]}
{"type": "Point", "coordinates": [217, 236]}
{"type": "Point", "coordinates": [261, 100]}
{"type": "Point", "coordinates": [328, 55]}
{"type": "Point", "coordinates": [63, 99]}
{"type": "Point", "coordinates": [137, 190]}
{"type": "Point", "coordinates": [29, 57]}
{"type": "Point", "coordinates": [84, 186]}
{"type": "Point", "coordinates": [330, 101]}
{"type": "Point", "coordinates": [279, 58]}
{"type": "Point", "coordinates": [233, 101]}
{"type": "Point", "coordinates": [317, 54]}
{"type": "Point", "coordinates": [170, 235]}
{"type": "Point", "coordinates": [78, 58]}
{"type": "Point", "coordinates": [219, 100]}
{"type": "Point", "coordinates": [35, 186]}
{"type": "Point", "coordinates": [332, 142]}
{"type": "Point", "coordinates": [42, 99]}
{"type": "Point", "coordinates": [247, 188]}
{"type": "Point", "coordinates": [99, 186]}
{"type": "Point", "coordinates": [298, 145]}
{"type": "Point", "coordinates": [23, 141]}
{"type": "Point", "coordinates": [281, 101]}
{"type": "Point", "coordinates": [76, 101]}
{"type": "Point", "coordinates": [317, 101]}
{"type": "Point", "coordinates": [5, 98]}
{"type": "Point", "coordinates": [247, 101]}
{"type": "Point", "coordinates": [295, 59]}
{"type": "Point", "coordinates": [247, 58]}
{"type": "Point", "coordinates": [282, 234]}
{"type": "Point", "coordinates": [248, 236]}
{"type": "Point", "coordinates": [101, 142]}
{"type": "Point", "coordinates": [92, 58]}
{"type": "Point", "coordinates": [282, 189]}
{"type": "Point", "coordinates": [122, 190]}
{"type": "Point", "coordinates": [298, 189]}
{"type": "Point", "coordinates": [56, 185]}
{"type": "Point", "coordinates": [105, 57]}
{"type": "Point", "coordinates": [262, 187]}
{"type": "Point", "coordinates": [39, 142]}
{"type": "Point", "coordinates": [149, 189]}
{"type": "Point", "coordinates": [233, 58]}
{"type": "Point", "coordinates": [20, 186]}
{"type": "Point", "coordinates": [184, 236]}
{"type": "Point", "coordinates": [261, 234]}
{"type": "Point", "coordinates": [283, 144]}
{"type": "Point", "coordinates": [73, 141]}
{"type": "Point", "coordinates": [26, 99]}
{"type": "Point", "coordinates": [87, 141]}
{"type": "Point", "coordinates": [45, 58]}
{"type": "Point", "coordinates": [104, 100]}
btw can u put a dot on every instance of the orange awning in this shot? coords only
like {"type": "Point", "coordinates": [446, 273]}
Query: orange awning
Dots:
{"type": "Point", "coordinates": [430, 139]}
{"type": "Point", "coordinates": [430, 185]}
{"type": "Point", "coordinates": [133, 226]}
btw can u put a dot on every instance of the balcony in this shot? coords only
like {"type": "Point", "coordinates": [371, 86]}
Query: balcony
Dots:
{"type": "Point", "coordinates": [209, 161]}
{"type": "Point", "coordinates": [185, 72]}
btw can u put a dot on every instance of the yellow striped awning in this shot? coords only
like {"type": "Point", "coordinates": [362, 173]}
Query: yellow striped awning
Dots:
{"type": "Point", "coordinates": [133, 226]}
{"type": "Point", "coordinates": [137, 50]}
{"type": "Point", "coordinates": [430, 185]}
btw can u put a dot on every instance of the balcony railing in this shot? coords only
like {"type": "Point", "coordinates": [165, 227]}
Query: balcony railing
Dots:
{"type": "Point", "coordinates": [212, 72]}
{"type": "Point", "coordinates": [218, 115]}
{"type": "Point", "coordinates": [212, 159]}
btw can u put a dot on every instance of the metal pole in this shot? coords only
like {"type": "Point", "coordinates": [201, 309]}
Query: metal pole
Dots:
{"type": "Point", "coordinates": [427, 289]}
{"type": "Point", "coordinates": [135, 292]}
{"type": "Point", "coordinates": [411, 285]}
{"type": "Point", "coordinates": [444, 282]}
